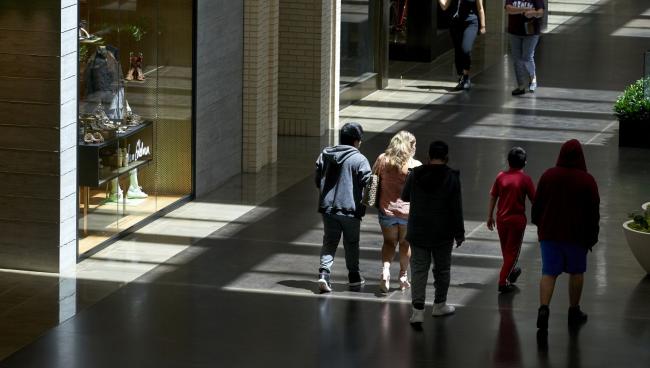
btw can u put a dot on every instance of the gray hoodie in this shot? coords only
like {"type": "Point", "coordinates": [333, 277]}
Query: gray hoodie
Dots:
{"type": "Point", "coordinates": [341, 174]}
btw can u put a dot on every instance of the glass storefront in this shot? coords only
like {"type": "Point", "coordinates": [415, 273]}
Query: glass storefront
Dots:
{"type": "Point", "coordinates": [135, 112]}
{"type": "Point", "coordinates": [357, 42]}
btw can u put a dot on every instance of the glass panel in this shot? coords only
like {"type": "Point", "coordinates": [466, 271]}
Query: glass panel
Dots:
{"type": "Point", "coordinates": [135, 88]}
{"type": "Point", "coordinates": [646, 74]}
{"type": "Point", "coordinates": [357, 61]}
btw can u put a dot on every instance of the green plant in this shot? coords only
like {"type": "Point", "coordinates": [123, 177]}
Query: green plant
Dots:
{"type": "Point", "coordinates": [633, 104]}
{"type": "Point", "coordinates": [641, 221]}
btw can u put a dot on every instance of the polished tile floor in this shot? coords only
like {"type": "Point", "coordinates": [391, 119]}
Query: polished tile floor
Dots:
{"type": "Point", "coordinates": [229, 280]}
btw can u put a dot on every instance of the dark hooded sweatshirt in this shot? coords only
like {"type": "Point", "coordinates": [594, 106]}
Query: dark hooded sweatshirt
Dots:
{"type": "Point", "coordinates": [436, 212]}
{"type": "Point", "coordinates": [341, 174]}
{"type": "Point", "coordinates": [566, 206]}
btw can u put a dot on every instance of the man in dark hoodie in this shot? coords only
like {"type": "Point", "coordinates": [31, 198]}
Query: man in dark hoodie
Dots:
{"type": "Point", "coordinates": [566, 212]}
{"type": "Point", "coordinates": [341, 174]}
{"type": "Point", "coordinates": [435, 221]}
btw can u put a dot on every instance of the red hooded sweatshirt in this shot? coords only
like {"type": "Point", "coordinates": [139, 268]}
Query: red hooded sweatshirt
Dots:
{"type": "Point", "coordinates": [566, 206]}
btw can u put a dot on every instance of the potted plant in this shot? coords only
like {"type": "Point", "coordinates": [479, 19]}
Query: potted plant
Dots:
{"type": "Point", "coordinates": [632, 109]}
{"type": "Point", "coordinates": [637, 234]}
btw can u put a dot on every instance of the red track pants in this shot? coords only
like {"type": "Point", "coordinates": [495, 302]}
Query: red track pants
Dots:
{"type": "Point", "coordinates": [511, 234]}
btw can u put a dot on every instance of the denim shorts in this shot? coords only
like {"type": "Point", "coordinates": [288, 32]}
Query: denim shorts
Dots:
{"type": "Point", "coordinates": [388, 221]}
{"type": "Point", "coordinates": [558, 257]}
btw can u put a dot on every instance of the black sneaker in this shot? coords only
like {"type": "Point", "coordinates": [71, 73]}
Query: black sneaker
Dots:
{"type": "Point", "coordinates": [576, 316]}
{"type": "Point", "coordinates": [514, 275]}
{"type": "Point", "coordinates": [355, 279]}
{"type": "Point", "coordinates": [518, 91]}
{"type": "Point", "coordinates": [324, 284]}
{"type": "Point", "coordinates": [542, 317]}
{"type": "Point", "coordinates": [507, 288]}
{"type": "Point", "coordinates": [464, 83]}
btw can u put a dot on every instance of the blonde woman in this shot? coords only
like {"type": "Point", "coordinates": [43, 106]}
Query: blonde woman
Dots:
{"type": "Point", "coordinates": [393, 166]}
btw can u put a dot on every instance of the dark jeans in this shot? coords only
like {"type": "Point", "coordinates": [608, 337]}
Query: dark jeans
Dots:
{"type": "Point", "coordinates": [463, 34]}
{"type": "Point", "coordinates": [421, 262]}
{"type": "Point", "coordinates": [335, 226]}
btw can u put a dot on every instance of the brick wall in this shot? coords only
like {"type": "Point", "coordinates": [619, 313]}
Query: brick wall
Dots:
{"type": "Point", "coordinates": [305, 70]}
{"type": "Point", "coordinates": [261, 22]}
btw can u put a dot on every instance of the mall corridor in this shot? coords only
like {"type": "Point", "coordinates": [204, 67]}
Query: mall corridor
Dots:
{"type": "Point", "coordinates": [246, 295]}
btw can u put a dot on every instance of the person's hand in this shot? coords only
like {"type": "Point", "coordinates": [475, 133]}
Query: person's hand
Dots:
{"type": "Point", "coordinates": [490, 223]}
{"type": "Point", "coordinates": [482, 30]}
{"type": "Point", "coordinates": [460, 241]}
{"type": "Point", "coordinates": [529, 14]}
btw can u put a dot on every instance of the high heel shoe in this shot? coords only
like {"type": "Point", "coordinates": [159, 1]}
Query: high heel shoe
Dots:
{"type": "Point", "coordinates": [130, 74]}
{"type": "Point", "coordinates": [404, 281]}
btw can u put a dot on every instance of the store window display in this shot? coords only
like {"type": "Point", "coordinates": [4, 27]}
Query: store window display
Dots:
{"type": "Point", "coordinates": [134, 152]}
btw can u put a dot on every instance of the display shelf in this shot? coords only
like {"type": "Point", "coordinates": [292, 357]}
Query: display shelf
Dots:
{"type": "Point", "coordinates": [139, 139]}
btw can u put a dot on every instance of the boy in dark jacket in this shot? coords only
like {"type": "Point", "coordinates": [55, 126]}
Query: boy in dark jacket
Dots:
{"type": "Point", "coordinates": [435, 221]}
{"type": "Point", "coordinates": [566, 212]}
{"type": "Point", "coordinates": [341, 174]}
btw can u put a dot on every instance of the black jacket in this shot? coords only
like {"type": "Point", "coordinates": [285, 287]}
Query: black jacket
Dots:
{"type": "Point", "coordinates": [436, 213]}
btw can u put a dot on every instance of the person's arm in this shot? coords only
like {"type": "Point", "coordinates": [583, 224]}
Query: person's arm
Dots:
{"type": "Point", "coordinates": [444, 4]}
{"type": "Point", "coordinates": [481, 16]}
{"type": "Point", "coordinates": [513, 10]}
{"type": "Point", "coordinates": [406, 191]}
{"type": "Point", "coordinates": [491, 205]}
{"type": "Point", "coordinates": [539, 202]}
{"type": "Point", "coordinates": [365, 172]}
{"type": "Point", "coordinates": [457, 214]}
{"type": "Point", "coordinates": [318, 175]}
{"type": "Point", "coordinates": [531, 190]}
{"type": "Point", "coordinates": [534, 13]}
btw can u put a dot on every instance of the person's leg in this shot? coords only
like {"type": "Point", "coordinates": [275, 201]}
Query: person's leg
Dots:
{"type": "Point", "coordinates": [404, 258]}
{"type": "Point", "coordinates": [441, 278]}
{"type": "Point", "coordinates": [510, 235]}
{"type": "Point", "coordinates": [441, 270]}
{"type": "Point", "coordinates": [576, 281]}
{"type": "Point", "coordinates": [515, 53]}
{"type": "Point", "coordinates": [552, 266]}
{"type": "Point", "coordinates": [420, 264]}
{"type": "Point", "coordinates": [351, 229]}
{"type": "Point", "coordinates": [390, 234]}
{"type": "Point", "coordinates": [528, 56]}
{"type": "Point", "coordinates": [332, 236]}
{"type": "Point", "coordinates": [469, 36]}
{"type": "Point", "coordinates": [456, 33]}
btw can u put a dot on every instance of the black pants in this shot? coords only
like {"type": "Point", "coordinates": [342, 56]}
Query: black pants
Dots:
{"type": "Point", "coordinates": [463, 34]}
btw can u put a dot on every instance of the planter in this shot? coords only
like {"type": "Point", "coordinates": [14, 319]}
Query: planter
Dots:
{"type": "Point", "coordinates": [634, 133]}
{"type": "Point", "coordinates": [639, 243]}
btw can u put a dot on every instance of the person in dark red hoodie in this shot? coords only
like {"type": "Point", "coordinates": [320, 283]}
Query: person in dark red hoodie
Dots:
{"type": "Point", "coordinates": [566, 212]}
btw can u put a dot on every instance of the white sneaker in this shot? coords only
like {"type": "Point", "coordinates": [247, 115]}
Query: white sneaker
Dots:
{"type": "Point", "coordinates": [404, 282]}
{"type": "Point", "coordinates": [384, 283]}
{"type": "Point", "coordinates": [136, 193]}
{"type": "Point", "coordinates": [442, 309]}
{"type": "Point", "coordinates": [417, 316]}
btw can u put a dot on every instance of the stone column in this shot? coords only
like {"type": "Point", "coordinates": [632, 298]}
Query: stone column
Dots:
{"type": "Point", "coordinates": [261, 22]}
{"type": "Point", "coordinates": [38, 135]}
{"type": "Point", "coordinates": [308, 79]}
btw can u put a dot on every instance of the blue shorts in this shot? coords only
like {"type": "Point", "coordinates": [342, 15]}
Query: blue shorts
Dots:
{"type": "Point", "coordinates": [558, 257]}
{"type": "Point", "coordinates": [388, 221]}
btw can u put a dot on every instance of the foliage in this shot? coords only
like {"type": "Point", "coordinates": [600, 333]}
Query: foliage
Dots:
{"type": "Point", "coordinates": [641, 221]}
{"type": "Point", "coordinates": [633, 105]}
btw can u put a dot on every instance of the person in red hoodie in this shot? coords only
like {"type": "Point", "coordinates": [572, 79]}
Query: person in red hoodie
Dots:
{"type": "Point", "coordinates": [566, 212]}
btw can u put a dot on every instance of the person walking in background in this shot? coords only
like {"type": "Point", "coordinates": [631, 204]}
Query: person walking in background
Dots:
{"type": "Point", "coordinates": [566, 212]}
{"type": "Point", "coordinates": [341, 174]}
{"type": "Point", "coordinates": [392, 166]}
{"type": "Point", "coordinates": [435, 221]}
{"type": "Point", "coordinates": [509, 193]}
{"type": "Point", "coordinates": [524, 27]}
{"type": "Point", "coordinates": [467, 20]}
